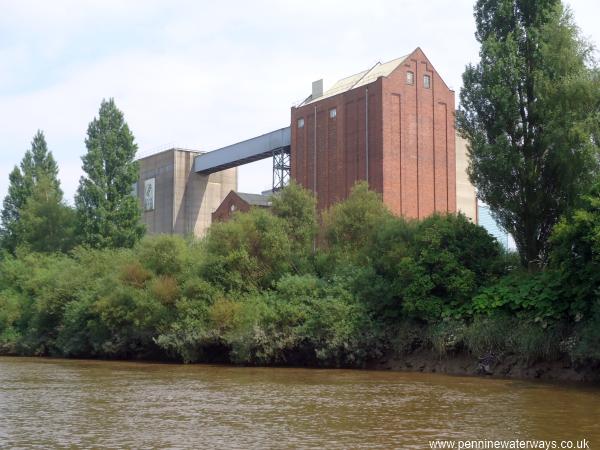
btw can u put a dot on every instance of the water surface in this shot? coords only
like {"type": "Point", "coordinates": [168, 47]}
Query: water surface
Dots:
{"type": "Point", "coordinates": [50, 403]}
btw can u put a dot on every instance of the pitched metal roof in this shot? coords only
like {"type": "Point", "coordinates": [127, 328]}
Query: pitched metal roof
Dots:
{"type": "Point", "coordinates": [359, 79]}
{"type": "Point", "coordinates": [255, 199]}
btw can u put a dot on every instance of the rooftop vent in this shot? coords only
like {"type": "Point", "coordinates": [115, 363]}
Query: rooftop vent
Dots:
{"type": "Point", "coordinates": [317, 89]}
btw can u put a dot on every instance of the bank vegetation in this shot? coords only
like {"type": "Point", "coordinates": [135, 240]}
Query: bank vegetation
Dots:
{"type": "Point", "coordinates": [273, 288]}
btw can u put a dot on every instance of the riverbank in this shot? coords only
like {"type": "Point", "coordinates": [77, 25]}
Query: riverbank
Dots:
{"type": "Point", "coordinates": [427, 361]}
{"type": "Point", "coordinates": [509, 366]}
{"type": "Point", "coordinates": [255, 292]}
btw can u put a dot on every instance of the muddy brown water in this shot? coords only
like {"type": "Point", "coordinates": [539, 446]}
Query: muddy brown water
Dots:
{"type": "Point", "coordinates": [53, 403]}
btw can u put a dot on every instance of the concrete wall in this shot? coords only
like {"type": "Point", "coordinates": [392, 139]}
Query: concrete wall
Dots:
{"type": "Point", "coordinates": [159, 166]}
{"type": "Point", "coordinates": [409, 133]}
{"type": "Point", "coordinates": [207, 193]}
{"type": "Point", "coordinates": [184, 200]}
{"type": "Point", "coordinates": [466, 199]}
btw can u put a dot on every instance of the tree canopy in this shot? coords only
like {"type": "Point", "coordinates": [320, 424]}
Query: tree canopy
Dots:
{"type": "Point", "coordinates": [46, 224]}
{"type": "Point", "coordinates": [108, 215]}
{"type": "Point", "coordinates": [37, 164]}
{"type": "Point", "coordinates": [530, 110]}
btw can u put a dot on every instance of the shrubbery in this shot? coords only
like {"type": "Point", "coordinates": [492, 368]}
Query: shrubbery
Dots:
{"type": "Point", "coordinates": [255, 291]}
{"type": "Point", "coordinates": [425, 269]}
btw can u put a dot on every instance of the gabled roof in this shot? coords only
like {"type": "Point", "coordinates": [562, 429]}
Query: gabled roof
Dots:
{"type": "Point", "coordinates": [255, 199]}
{"type": "Point", "coordinates": [359, 79]}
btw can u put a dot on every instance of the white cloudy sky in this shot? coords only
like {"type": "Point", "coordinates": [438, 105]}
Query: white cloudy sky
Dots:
{"type": "Point", "coordinates": [203, 74]}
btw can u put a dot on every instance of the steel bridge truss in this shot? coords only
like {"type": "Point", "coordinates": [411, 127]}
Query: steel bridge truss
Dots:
{"type": "Point", "coordinates": [281, 168]}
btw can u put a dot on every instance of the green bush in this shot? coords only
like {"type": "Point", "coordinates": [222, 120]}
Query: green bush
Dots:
{"type": "Point", "coordinates": [163, 254]}
{"type": "Point", "coordinates": [10, 314]}
{"type": "Point", "coordinates": [429, 269]}
{"type": "Point", "coordinates": [305, 320]}
{"type": "Point", "coordinates": [255, 292]}
{"type": "Point", "coordinates": [250, 251]}
{"type": "Point", "coordinates": [349, 225]}
{"type": "Point", "coordinates": [586, 346]}
{"type": "Point", "coordinates": [541, 297]}
{"type": "Point", "coordinates": [134, 274]}
{"type": "Point", "coordinates": [575, 254]}
{"type": "Point", "coordinates": [165, 289]}
{"type": "Point", "coordinates": [128, 323]}
{"type": "Point", "coordinates": [188, 334]}
{"type": "Point", "coordinates": [296, 207]}
{"type": "Point", "coordinates": [456, 258]}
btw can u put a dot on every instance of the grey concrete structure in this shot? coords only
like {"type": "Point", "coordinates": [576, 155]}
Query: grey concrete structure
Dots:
{"type": "Point", "coordinates": [466, 198]}
{"type": "Point", "coordinates": [174, 198]}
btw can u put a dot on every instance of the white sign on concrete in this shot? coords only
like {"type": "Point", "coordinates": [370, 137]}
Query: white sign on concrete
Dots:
{"type": "Point", "coordinates": [149, 194]}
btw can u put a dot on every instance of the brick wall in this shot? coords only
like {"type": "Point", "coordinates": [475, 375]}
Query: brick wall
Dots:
{"type": "Point", "coordinates": [410, 134]}
{"type": "Point", "coordinates": [231, 204]}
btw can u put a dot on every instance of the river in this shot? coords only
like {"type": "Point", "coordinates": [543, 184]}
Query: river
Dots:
{"type": "Point", "coordinates": [55, 403]}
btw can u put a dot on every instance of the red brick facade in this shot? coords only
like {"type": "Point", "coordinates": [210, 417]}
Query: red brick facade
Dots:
{"type": "Point", "coordinates": [230, 204]}
{"type": "Point", "coordinates": [402, 133]}
{"type": "Point", "coordinates": [238, 201]}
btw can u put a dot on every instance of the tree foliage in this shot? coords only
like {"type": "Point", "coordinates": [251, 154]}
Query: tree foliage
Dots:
{"type": "Point", "coordinates": [575, 253]}
{"type": "Point", "coordinates": [37, 164]}
{"type": "Point", "coordinates": [530, 110]}
{"type": "Point", "coordinates": [109, 216]}
{"type": "Point", "coordinates": [349, 225]}
{"type": "Point", "coordinates": [239, 296]}
{"type": "Point", "coordinates": [46, 223]}
{"type": "Point", "coordinates": [248, 252]}
{"type": "Point", "coordinates": [425, 269]}
{"type": "Point", "coordinates": [296, 207]}
{"type": "Point", "coordinates": [428, 269]}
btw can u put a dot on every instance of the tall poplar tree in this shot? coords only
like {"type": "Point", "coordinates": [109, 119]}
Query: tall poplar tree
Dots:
{"type": "Point", "coordinates": [108, 215]}
{"type": "Point", "coordinates": [37, 164]}
{"type": "Point", "coordinates": [530, 110]}
{"type": "Point", "coordinates": [46, 223]}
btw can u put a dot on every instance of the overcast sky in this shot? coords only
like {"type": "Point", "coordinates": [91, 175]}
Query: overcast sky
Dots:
{"type": "Point", "coordinates": [204, 74]}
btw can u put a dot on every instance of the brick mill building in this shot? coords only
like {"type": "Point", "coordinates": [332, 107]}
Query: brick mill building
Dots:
{"type": "Point", "coordinates": [391, 125]}
{"type": "Point", "coordinates": [240, 202]}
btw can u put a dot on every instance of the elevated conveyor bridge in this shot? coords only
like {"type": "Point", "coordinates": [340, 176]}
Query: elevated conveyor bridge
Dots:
{"type": "Point", "coordinates": [275, 144]}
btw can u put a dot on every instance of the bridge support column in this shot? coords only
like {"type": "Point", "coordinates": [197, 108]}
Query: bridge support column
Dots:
{"type": "Point", "coordinates": [281, 168]}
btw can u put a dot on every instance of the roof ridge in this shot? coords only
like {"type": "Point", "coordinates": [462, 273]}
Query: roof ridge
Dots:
{"type": "Point", "coordinates": [345, 84]}
{"type": "Point", "coordinates": [251, 193]}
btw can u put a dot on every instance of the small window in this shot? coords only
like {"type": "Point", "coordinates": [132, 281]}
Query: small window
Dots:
{"type": "Point", "coordinates": [426, 81]}
{"type": "Point", "coordinates": [332, 113]}
{"type": "Point", "coordinates": [232, 208]}
{"type": "Point", "coordinates": [301, 123]}
{"type": "Point", "coordinates": [410, 78]}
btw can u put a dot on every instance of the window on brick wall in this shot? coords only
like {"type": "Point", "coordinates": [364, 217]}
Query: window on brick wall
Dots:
{"type": "Point", "coordinates": [410, 78]}
{"type": "Point", "coordinates": [426, 81]}
{"type": "Point", "coordinates": [301, 123]}
{"type": "Point", "coordinates": [332, 113]}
